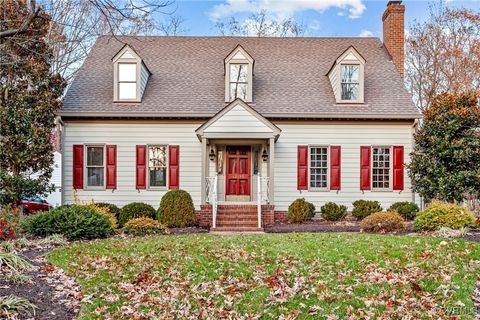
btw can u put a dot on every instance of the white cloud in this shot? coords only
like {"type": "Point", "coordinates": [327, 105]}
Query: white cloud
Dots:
{"type": "Point", "coordinates": [285, 8]}
{"type": "Point", "coordinates": [314, 25]}
{"type": "Point", "coordinates": [366, 33]}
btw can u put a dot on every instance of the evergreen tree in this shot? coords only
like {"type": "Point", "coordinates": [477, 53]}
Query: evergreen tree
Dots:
{"type": "Point", "coordinates": [29, 96]}
{"type": "Point", "coordinates": [445, 163]}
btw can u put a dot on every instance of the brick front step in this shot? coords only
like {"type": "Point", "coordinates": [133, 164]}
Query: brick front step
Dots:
{"type": "Point", "coordinates": [236, 229]}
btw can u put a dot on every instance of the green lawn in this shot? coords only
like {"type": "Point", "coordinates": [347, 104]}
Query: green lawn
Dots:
{"type": "Point", "coordinates": [323, 275]}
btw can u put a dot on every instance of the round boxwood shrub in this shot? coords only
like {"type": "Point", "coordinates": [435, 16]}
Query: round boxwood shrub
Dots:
{"type": "Point", "coordinates": [364, 208]}
{"type": "Point", "coordinates": [176, 209]}
{"type": "Point", "coordinates": [333, 212]}
{"type": "Point", "coordinates": [110, 206]}
{"type": "Point", "coordinates": [135, 210]}
{"type": "Point", "coordinates": [406, 209]}
{"type": "Point", "coordinates": [300, 211]}
{"type": "Point", "coordinates": [73, 222]}
{"type": "Point", "coordinates": [438, 215]}
{"type": "Point", "coordinates": [144, 226]}
{"type": "Point", "coordinates": [383, 222]}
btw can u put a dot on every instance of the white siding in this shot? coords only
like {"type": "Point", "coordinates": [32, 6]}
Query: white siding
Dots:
{"type": "Point", "coordinates": [238, 120]}
{"type": "Point", "coordinates": [126, 136]}
{"type": "Point", "coordinates": [143, 79]}
{"type": "Point", "coordinates": [350, 136]}
{"type": "Point", "coordinates": [334, 77]}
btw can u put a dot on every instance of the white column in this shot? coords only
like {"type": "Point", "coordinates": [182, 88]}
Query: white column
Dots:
{"type": "Point", "coordinates": [204, 170]}
{"type": "Point", "coordinates": [271, 168]}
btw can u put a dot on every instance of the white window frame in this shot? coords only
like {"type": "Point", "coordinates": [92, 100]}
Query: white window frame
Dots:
{"type": "Point", "coordinates": [390, 170]}
{"type": "Point", "coordinates": [310, 188]}
{"type": "Point", "coordinates": [136, 82]}
{"type": "Point", "coordinates": [359, 93]}
{"type": "Point", "coordinates": [244, 58]}
{"type": "Point", "coordinates": [230, 82]}
{"type": "Point", "coordinates": [86, 166]}
{"type": "Point", "coordinates": [167, 160]}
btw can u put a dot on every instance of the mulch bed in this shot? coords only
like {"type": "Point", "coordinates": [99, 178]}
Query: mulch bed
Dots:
{"type": "Point", "coordinates": [56, 295]}
{"type": "Point", "coordinates": [188, 230]}
{"type": "Point", "coordinates": [320, 226]}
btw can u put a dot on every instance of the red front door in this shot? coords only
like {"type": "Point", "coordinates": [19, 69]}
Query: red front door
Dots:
{"type": "Point", "coordinates": [238, 171]}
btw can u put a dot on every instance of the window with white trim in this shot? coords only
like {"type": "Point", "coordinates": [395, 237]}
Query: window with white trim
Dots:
{"type": "Point", "coordinates": [350, 82]}
{"type": "Point", "coordinates": [95, 166]}
{"type": "Point", "coordinates": [381, 166]}
{"type": "Point", "coordinates": [157, 166]}
{"type": "Point", "coordinates": [127, 81]}
{"type": "Point", "coordinates": [238, 81]}
{"type": "Point", "coordinates": [318, 167]}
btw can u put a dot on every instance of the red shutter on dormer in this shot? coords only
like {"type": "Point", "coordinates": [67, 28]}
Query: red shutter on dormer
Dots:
{"type": "Point", "coordinates": [141, 167]}
{"type": "Point", "coordinates": [111, 166]}
{"type": "Point", "coordinates": [335, 170]}
{"type": "Point", "coordinates": [398, 167]}
{"type": "Point", "coordinates": [302, 167]}
{"type": "Point", "coordinates": [78, 166]}
{"type": "Point", "coordinates": [365, 154]}
{"type": "Point", "coordinates": [174, 167]}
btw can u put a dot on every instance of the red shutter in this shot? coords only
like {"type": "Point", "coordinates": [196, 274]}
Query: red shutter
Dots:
{"type": "Point", "coordinates": [173, 167]}
{"type": "Point", "coordinates": [365, 152]}
{"type": "Point", "coordinates": [78, 166]}
{"type": "Point", "coordinates": [398, 168]}
{"type": "Point", "coordinates": [141, 164]}
{"type": "Point", "coordinates": [335, 171]}
{"type": "Point", "coordinates": [111, 166]}
{"type": "Point", "coordinates": [302, 168]}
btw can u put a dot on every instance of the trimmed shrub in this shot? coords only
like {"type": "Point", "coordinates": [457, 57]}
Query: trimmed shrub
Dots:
{"type": "Point", "coordinates": [176, 209]}
{"type": "Point", "coordinates": [406, 209]}
{"type": "Point", "coordinates": [110, 206]}
{"type": "Point", "coordinates": [383, 222]}
{"type": "Point", "coordinates": [333, 212]}
{"type": "Point", "coordinates": [135, 210]}
{"type": "Point", "coordinates": [300, 211]}
{"type": "Point", "coordinates": [439, 214]}
{"type": "Point", "coordinates": [73, 222]}
{"type": "Point", "coordinates": [105, 211]}
{"type": "Point", "coordinates": [144, 226]}
{"type": "Point", "coordinates": [364, 208]}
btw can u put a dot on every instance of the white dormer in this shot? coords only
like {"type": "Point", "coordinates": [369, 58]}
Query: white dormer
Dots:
{"type": "Point", "coordinates": [239, 75]}
{"type": "Point", "coordinates": [130, 76]}
{"type": "Point", "coordinates": [347, 77]}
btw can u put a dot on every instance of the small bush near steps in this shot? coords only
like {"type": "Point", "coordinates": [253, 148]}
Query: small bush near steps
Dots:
{"type": "Point", "coordinates": [364, 208]}
{"type": "Point", "coordinates": [439, 214]}
{"type": "Point", "coordinates": [333, 212]}
{"type": "Point", "coordinates": [135, 210]}
{"type": "Point", "coordinates": [144, 226]}
{"type": "Point", "coordinates": [176, 209]}
{"type": "Point", "coordinates": [406, 209]}
{"type": "Point", "coordinates": [383, 222]}
{"type": "Point", "coordinates": [300, 211]}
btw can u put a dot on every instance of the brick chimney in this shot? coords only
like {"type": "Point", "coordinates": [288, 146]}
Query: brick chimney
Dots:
{"type": "Point", "coordinates": [393, 33]}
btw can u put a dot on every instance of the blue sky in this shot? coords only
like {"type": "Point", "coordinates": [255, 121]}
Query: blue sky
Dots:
{"type": "Point", "coordinates": [322, 18]}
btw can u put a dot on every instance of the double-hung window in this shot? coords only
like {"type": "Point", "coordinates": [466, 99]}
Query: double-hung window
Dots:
{"type": "Point", "coordinates": [318, 167]}
{"type": "Point", "coordinates": [350, 82]}
{"type": "Point", "coordinates": [157, 166]}
{"type": "Point", "coordinates": [381, 165]}
{"type": "Point", "coordinates": [238, 81]}
{"type": "Point", "coordinates": [95, 166]}
{"type": "Point", "coordinates": [127, 81]}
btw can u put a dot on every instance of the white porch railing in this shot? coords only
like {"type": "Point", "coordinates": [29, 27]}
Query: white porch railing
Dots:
{"type": "Point", "coordinates": [211, 185]}
{"type": "Point", "coordinates": [262, 196]}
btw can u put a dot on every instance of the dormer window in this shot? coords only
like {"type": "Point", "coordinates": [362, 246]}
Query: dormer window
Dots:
{"type": "Point", "coordinates": [347, 77]}
{"type": "Point", "coordinates": [130, 76]}
{"type": "Point", "coordinates": [238, 75]}
{"type": "Point", "coordinates": [350, 75]}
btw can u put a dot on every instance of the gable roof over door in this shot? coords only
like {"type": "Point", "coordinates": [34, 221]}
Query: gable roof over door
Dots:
{"type": "Point", "coordinates": [188, 78]}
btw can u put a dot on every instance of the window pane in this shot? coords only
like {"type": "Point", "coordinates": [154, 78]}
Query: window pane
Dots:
{"type": "Point", "coordinates": [127, 72]}
{"type": "Point", "coordinates": [157, 156]}
{"type": "Point", "coordinates": [94, 156]}
{"type": "Point", "coordinates": [238, 73]}
{"type": "Point", "coordinates": [349, 91]}
{"type": "Point", "coordinates": [350, 73]}
{"type": "Point", "coordinates": [381, 168]}
{"type": "Point", "coordinates": [127, 90]}
{"type": "Point", "coordinates": [318, 167]}
{"type": "Point", "coordinates": [95, 177]}
{"type": "Point", "coordinates": [238, 90]}
{"type": "Point", "coordinates": [158, 177]}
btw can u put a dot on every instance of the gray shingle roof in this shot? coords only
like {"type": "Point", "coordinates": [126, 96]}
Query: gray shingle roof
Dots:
{"type": "Point", "coordinates": [289, 78]}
